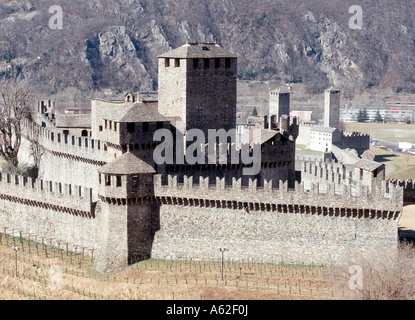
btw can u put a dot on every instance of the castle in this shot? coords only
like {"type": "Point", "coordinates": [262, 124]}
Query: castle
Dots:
{"type": "Point", "coordinates": [100, 189]}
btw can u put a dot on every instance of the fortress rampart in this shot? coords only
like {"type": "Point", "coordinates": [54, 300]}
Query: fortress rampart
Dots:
{"type": "Point", "coordinates": [343, 200]}
{"type": "Point", "coordinates": [76, 148]}
{"type": "Point", "coordinates": [408, 189]}
{"type": "Point", "coordinates": [272, 224]}
{"type": "Point", "coordinates": [195, 218]}
{"type": "Point", "coordinates": [64, 158]}
{"type": "Point", "coordinates": [55, 212]}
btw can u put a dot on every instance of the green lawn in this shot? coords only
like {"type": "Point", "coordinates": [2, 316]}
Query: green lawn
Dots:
{"type": "Point", "coordinates": [384, 131]}
{"type": "Point", "coordinates": [299, 148]}
{"type": "Point", "coordinates": [404, 164]}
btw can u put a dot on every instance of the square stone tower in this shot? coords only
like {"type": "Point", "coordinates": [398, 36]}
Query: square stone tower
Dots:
{"type": "Point", "coordinates": [332, 108]}
{"type": "Point", "coordinates": [197, 83]}
{"type": "Point", "coordinates": [279, 104]}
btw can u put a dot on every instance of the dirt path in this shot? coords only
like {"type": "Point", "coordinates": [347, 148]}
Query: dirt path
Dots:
{"type": "Point", "coordinates": [407, 220]}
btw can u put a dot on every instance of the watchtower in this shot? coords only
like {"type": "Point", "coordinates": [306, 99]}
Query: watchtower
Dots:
{"type": "Point", "coordinates": [332, 108]}
{"type": "Point", "coordinates": [197, 83]}
{"type": "Point", "coordinates": [129, 216]}
{"type": "Point", "coordinates": [279, 104]}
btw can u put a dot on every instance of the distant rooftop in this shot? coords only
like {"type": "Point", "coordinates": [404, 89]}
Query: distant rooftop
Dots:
{"type": "Point", "coordinates": [198, 50]}
{"type": "Point", "coordinates": [139, 112]}
{"type": "Point", "coordinates": [127, 163]}
{"type": "Point", "coordinates": [282, 89]}
{"type": "Point", "coordinates": [368, 165]}
{"type": "Point", "coordinates": [323, 129]}
{"type": "Point", "coordinates": [73, 121]}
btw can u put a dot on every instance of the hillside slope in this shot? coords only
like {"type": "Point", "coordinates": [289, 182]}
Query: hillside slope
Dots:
{"type": "Point", "coordinates": [114, 44]}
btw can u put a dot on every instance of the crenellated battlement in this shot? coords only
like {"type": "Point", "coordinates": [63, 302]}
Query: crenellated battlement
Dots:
{"type": "Point", "coordinates": [347, 133]}
{"type": "Point", "coordinates": [77, 148]}
{"type": "Point", "coordinates": [408, 189]}
{"type": "Point", "coordinates": [47, 194]}
{"type": "Point", "coordinates": [387, 197]}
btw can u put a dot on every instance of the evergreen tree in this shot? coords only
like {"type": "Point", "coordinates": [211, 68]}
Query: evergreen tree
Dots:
{"type": "Point", "coordinates": [378, 117]}
{"type": "Point", "coordinates": [362, 116]}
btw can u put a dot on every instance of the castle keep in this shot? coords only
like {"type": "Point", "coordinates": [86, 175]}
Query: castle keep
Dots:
{"type": "Point", "coordinates": [103, 192]}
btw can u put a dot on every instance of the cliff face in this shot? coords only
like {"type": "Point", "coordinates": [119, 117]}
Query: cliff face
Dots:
{"type": "Point", "coordinates": [114, 44]}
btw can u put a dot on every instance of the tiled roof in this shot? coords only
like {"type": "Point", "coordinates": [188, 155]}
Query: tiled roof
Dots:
{"type": "Point", "coordinates": [368, 165]}
{"type": "Point", "coordinates": [139, 112]}
{"type": "Point", "coordinates": [323, 129]}
{"type": "Point", "coordinates": [198, 50]}
{"type": "Point", "coordinates": [129, 164]}
{"type": "Point", "coordinates": [73, 121]}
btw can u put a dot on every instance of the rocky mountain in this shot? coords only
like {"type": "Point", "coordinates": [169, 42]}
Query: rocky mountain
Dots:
{"type": "Point", "coordinates": [112, 44]}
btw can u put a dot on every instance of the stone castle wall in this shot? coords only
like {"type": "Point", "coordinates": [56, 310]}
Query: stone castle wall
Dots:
{"type": "Point", "coordinates": [191, 216]}
{"type": "Point", "coordinates": [65, 158]}
{"type": "Point", "coordinates": [268, 224]}
{"type": "Point", "coordinates": [60, 214]}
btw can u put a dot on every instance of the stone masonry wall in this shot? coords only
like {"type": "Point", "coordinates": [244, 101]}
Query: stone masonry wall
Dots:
{"type": "Point", "coordinates": [268, 224]}
{"type": "Point", "coordinates": [60, 214]}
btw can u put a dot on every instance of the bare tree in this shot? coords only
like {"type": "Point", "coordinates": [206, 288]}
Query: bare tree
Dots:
{"type": "Point", "coordinates": [15, 100]}
{"type": "Point", "coordinates": [388, 274]}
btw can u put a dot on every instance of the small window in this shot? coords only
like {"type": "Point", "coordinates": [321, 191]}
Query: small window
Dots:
{"type": "Point", "coordinates": [167, 62]}
{"type": "Point", "coordinates": [115, 126]}
{"type": "Point", "coordinates": [217, 63]}
{"type": "Point", "coordinates": [84, 133]}
{"type": "Point", "coordinates": [99, 178]}
{"type": "Point", "coordinates": [135, 182]}
{"type": "Point", "coordinates": [145, 126]}
{"type": "Point", "coordinates": [196, 63]}
{"type": "Point", "coordinates": [107, 180]}
{"type": "Point", "coordinates": [100, 128]}
{"type": "Point", "coordinates": [106, 124]}
{"type": "Point", "coordinates": [119, 184]}
{"type": "Point", "coordinates": [227, 63]}
{"type": "Point", "coordinates": [206, 63]}
{"type": "Point", "coordinates": [65, 132]}
{"type": "Point", "coordinates": [176, 63]}
{"type": "Point", "coordinates": [130, 127]}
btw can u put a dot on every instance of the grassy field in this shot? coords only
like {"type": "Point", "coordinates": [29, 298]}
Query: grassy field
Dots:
{"type": "Point", "coordinates": [403, 164]}
{"type": "Point", "coordinates": [158, 279]}
{"type": "Point", "coordinates": [384, 131]}
{"type": "Point", "coordinates": [299, 148]}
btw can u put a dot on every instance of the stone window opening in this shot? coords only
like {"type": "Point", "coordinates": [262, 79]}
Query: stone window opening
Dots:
{"type": "Point", "coordinates": [145, 126]}
{"type": "Point", "coordinates": [135, 182]}
{"type": "Point", "coordinates": [119, 183]}
{"type": "Point", "coordinates": [217, 63]}
{"type": "Point", "coordinates": [84, 133]}
{"type": "Point", "coordinates": [130, 127]}
{"type": "Point", "coordinates": [195, 63]}
{"type": "Point", "coordinates": [227, 63]}
{"type": "Point", "coordinates": [167, 62]}
{"type": "Point", "coordinates": [107, 180]}
{"type": "Point", "coordinates": [206, 62]}
{"type": "Point", "coordinates": [176, 63]}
